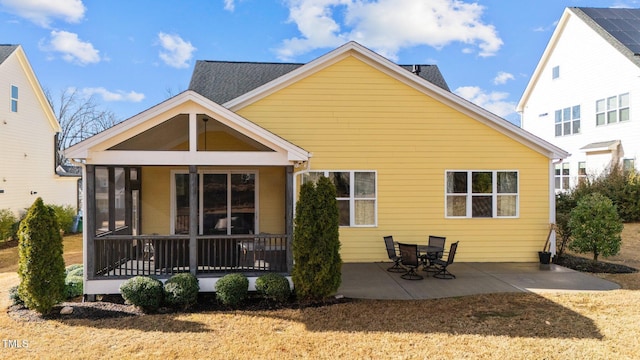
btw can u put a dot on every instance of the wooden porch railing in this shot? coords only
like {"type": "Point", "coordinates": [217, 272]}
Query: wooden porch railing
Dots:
{"type": "Point", "coordinates": [120, 256]}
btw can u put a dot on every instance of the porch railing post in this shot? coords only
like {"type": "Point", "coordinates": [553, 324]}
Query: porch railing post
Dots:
{"type": "Point", "coordinates": [193, 218]}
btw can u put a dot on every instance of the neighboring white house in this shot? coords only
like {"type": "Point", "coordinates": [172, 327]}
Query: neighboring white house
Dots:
{"type": "Point", "coordinates": [28, 128]}
{"type": "Point", "coordinates": [584, 94]}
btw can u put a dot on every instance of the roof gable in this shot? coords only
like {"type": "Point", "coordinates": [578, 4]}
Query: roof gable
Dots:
{"type": "Point", "coordinates": [223, 81]}
{"type": "Point", "coordinates": [619, 27]}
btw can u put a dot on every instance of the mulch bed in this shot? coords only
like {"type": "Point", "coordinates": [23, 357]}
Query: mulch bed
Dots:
{"type": "Point", "coordinates": [588, 265]}
{"type": "Point", "coordinates": [113, 306]}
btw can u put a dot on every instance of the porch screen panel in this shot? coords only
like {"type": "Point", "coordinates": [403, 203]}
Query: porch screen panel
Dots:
{"type": "Point", "coordinates": [181, 225]}
{"type": "Point", "coordinates": [243, 203]}
{"type": "Point", "coordinates": [102, 200]}
{"type": "Point", "coordinates": [214, 204]}
{"type": "Point", "coordinates": [119, 198]}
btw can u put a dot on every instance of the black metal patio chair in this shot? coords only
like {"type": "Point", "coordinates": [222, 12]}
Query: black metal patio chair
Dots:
{"type": "Point", "coordinates": [393, 256]}
{"type": "Point", "coordinates": [411, 260]}
{"type": "Point", "coordinates": [428, 258]}
{"type": "Point", "coordinates": [441, 265]}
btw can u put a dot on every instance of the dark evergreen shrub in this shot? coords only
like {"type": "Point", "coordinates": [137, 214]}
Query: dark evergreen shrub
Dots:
{"type": "Point", "coordinates": [232, 289]}
{"type": "Point", "coordinates": [596, 226]}
{"type": "Point", "coordinates": [41, 265]}
{"type": "Point", "coordinates": [181, 290]}
{"type": "Point", "coordinates": [273, 287]}
{"type": "Point", "coordinates": [144, 292]}
{"type": "Point", "coordinates": [316, 244]}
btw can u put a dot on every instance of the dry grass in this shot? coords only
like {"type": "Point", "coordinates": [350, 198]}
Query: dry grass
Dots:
{"type": "Point", "coordinates": [594, 325]}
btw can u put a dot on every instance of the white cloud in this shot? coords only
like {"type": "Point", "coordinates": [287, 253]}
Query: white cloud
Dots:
{"type": "Point", "coordinates": [229, 5]}
{"type": "Point", "coordinates": [176, 52]}
{"type": "Point", "coordinates": [72, 48]}
{"type": "Point", "coordinates": [119, 95]}
{"type": "Point", "coordinates": [494, 101]}
{"type": "Point", "coordinates": [387, 26]}
{"type": "Point", "coordinates": [42, 12]}
{"type": "Point", "coordinates": [502, 78]}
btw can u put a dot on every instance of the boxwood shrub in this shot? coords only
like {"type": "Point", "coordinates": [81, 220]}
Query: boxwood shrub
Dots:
{"type": "Point", "coordinates": [143, 291]}
{"type": "Point", "coordinates": [232, 289]}
{"type": "Point", "coordinates": [181, 290]}
{"type": "Point", "coordinates": [273, 287]}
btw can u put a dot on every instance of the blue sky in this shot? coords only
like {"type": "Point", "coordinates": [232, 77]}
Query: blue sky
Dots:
{"type": "Point", "coordinates": [130, 55]}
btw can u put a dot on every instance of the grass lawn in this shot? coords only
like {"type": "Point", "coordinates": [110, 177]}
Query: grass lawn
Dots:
{"type": "Point", "coordinates": [587, 325]}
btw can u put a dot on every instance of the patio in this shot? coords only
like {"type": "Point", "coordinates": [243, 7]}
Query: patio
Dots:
{"type": "Point", "coordinates": [372, 281]}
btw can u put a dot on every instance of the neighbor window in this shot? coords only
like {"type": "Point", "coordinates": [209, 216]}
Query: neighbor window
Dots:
{"type": "Point", "coordinates": [481, 194]}
{"type": "Point", "coordinates": [612, 110]}
{"type": "Point", "coordinates": [356, 195]}
{"type": "Point", "coordinates": [567, 121]}
{"type": "Point", "coordinates": [555, 72]}
{"type": "Point", "coordinates": [582, 172]}
{"type": "Point", "coordinates": [562, 176]}
{"type": "Point", "coordinates": [14, 98]}
{"type": "Point", "coordinates": [628, 165]}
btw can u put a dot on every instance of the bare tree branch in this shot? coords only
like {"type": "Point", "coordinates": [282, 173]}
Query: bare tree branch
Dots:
{"type": "Point", "coordinates": [79, 117]}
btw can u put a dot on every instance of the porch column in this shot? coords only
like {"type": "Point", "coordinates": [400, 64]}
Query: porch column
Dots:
{"type": "Point", "coordinates": [289, 216]}
{"type": "Point", "coordinates": [193, 218]}
{"type": "Point", "coordinates": [89, 219]}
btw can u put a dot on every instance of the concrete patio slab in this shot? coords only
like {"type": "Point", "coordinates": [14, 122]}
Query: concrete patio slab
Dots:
{"type": "Point", "coordinates": [372, 281]}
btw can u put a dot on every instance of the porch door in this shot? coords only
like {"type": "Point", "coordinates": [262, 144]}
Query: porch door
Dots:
{"type": "Point", "coordinates": [227, 203]}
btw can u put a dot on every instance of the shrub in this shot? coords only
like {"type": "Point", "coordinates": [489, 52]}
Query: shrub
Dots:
{"type": "Point", "coordinates": [40, 264]}
{"type": "Point", "coordinates": [595, 226]}
{"type": "Point", "coordinates": [316, 245]}
{"type": "Point", "coordinates": [14, 296]}
{"type": "Point", "coordinates": [73, 281]}
{"type": "Point", "coordinates": [66, 215]}
{"type": "Point", "coordinates": [144, 292]}
{"type": "Point", "coordinates": [274, 287]}
{"type": "Point", "coordinates": [232, 289]}
{"type": "Point", "coordinates": [181, 290]}
{"type": "Point", "coordinates": [7, 219]}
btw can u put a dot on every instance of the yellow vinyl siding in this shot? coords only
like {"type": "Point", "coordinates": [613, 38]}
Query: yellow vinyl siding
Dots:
{"type": "Point", "coordinates": [351, 116]}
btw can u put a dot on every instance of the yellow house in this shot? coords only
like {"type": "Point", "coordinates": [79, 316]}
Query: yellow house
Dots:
{"type": "Point", "coordinates": [196, 185]}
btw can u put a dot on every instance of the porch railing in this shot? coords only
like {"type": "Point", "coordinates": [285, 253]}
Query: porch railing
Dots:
{"type": "Point", "coordinates": [118, 256]}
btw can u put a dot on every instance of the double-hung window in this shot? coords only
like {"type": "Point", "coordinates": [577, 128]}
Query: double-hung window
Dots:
{"type": "Point", "coordinates": [356, 195]}
{"type": "Point", "coordinates": [567, 121]}
{"type": "Point", "coordinates": [612, 109]}
{"type": "Point", "coordinates": [14, 98]}
{"type": "Point", "coordinates": [481, 194]}
{"type": "Point", "coordinates": [562, 174]}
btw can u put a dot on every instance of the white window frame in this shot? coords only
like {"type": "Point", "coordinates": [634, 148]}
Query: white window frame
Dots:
{"type": "Point", "coordinates": [567, 116]}
{"type": "Point", "coordinates": [562, 176]}
{"type": "Point", "coordinates": [582, 172]}
{"type": "Point", "coordinates": [14, 99]}
{"type": "Point", "coordinates": [352, 199]}
{"type": "Point", "coordinates": [606, 109]}
{"type": "Point", "coordinates": [201, 174]}
{"type": "Point", "coordinates": [494, 195]}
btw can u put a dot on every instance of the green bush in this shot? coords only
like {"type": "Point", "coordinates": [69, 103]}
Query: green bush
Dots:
{"type": "Point", "coordinates": [14, 296]}
{"type": "Point", "coordinates": [66, 215]}
{"type": "Point", "coordinates": [595, 226]}
{"type": "Point", "coordinates": [316, 245]}
{"type": "Point", "coordinates": [274, 287]}
{"type": "Point", "coordinates": [40, 264]}
{"type": "Point", "coordinates": [232, 289]}
{"type": "Point", "coordinates": [144, 292]}
{"type": "Point", "coordinates": [7, 221]}
{"type": "Point", "coordinates": [181, 290]}
{"type": "Point", "coordinates": [73, 281]}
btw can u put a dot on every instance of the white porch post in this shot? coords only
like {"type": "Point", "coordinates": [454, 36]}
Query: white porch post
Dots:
{"type": "Point", "coordinates": [193, 132]}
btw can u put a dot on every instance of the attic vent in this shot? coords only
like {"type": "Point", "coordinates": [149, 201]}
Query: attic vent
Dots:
{"type": "Point", "coordinates": [416, 69]}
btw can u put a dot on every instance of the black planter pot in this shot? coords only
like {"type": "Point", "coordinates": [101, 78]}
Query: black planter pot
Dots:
{"type": "Point", "coordinates": [545, 257]}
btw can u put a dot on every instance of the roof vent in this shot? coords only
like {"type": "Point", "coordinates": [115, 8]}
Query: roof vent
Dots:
{"type": "Point", "coordinates": [416, 69]}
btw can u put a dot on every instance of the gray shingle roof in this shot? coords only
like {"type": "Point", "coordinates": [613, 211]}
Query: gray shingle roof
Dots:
{"type": "Point", "coordinates": [620, 27]}
{"type": "Point", "coordinates": [222, 81]}
{"type": "Point", "coordinates": [5, 51]}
